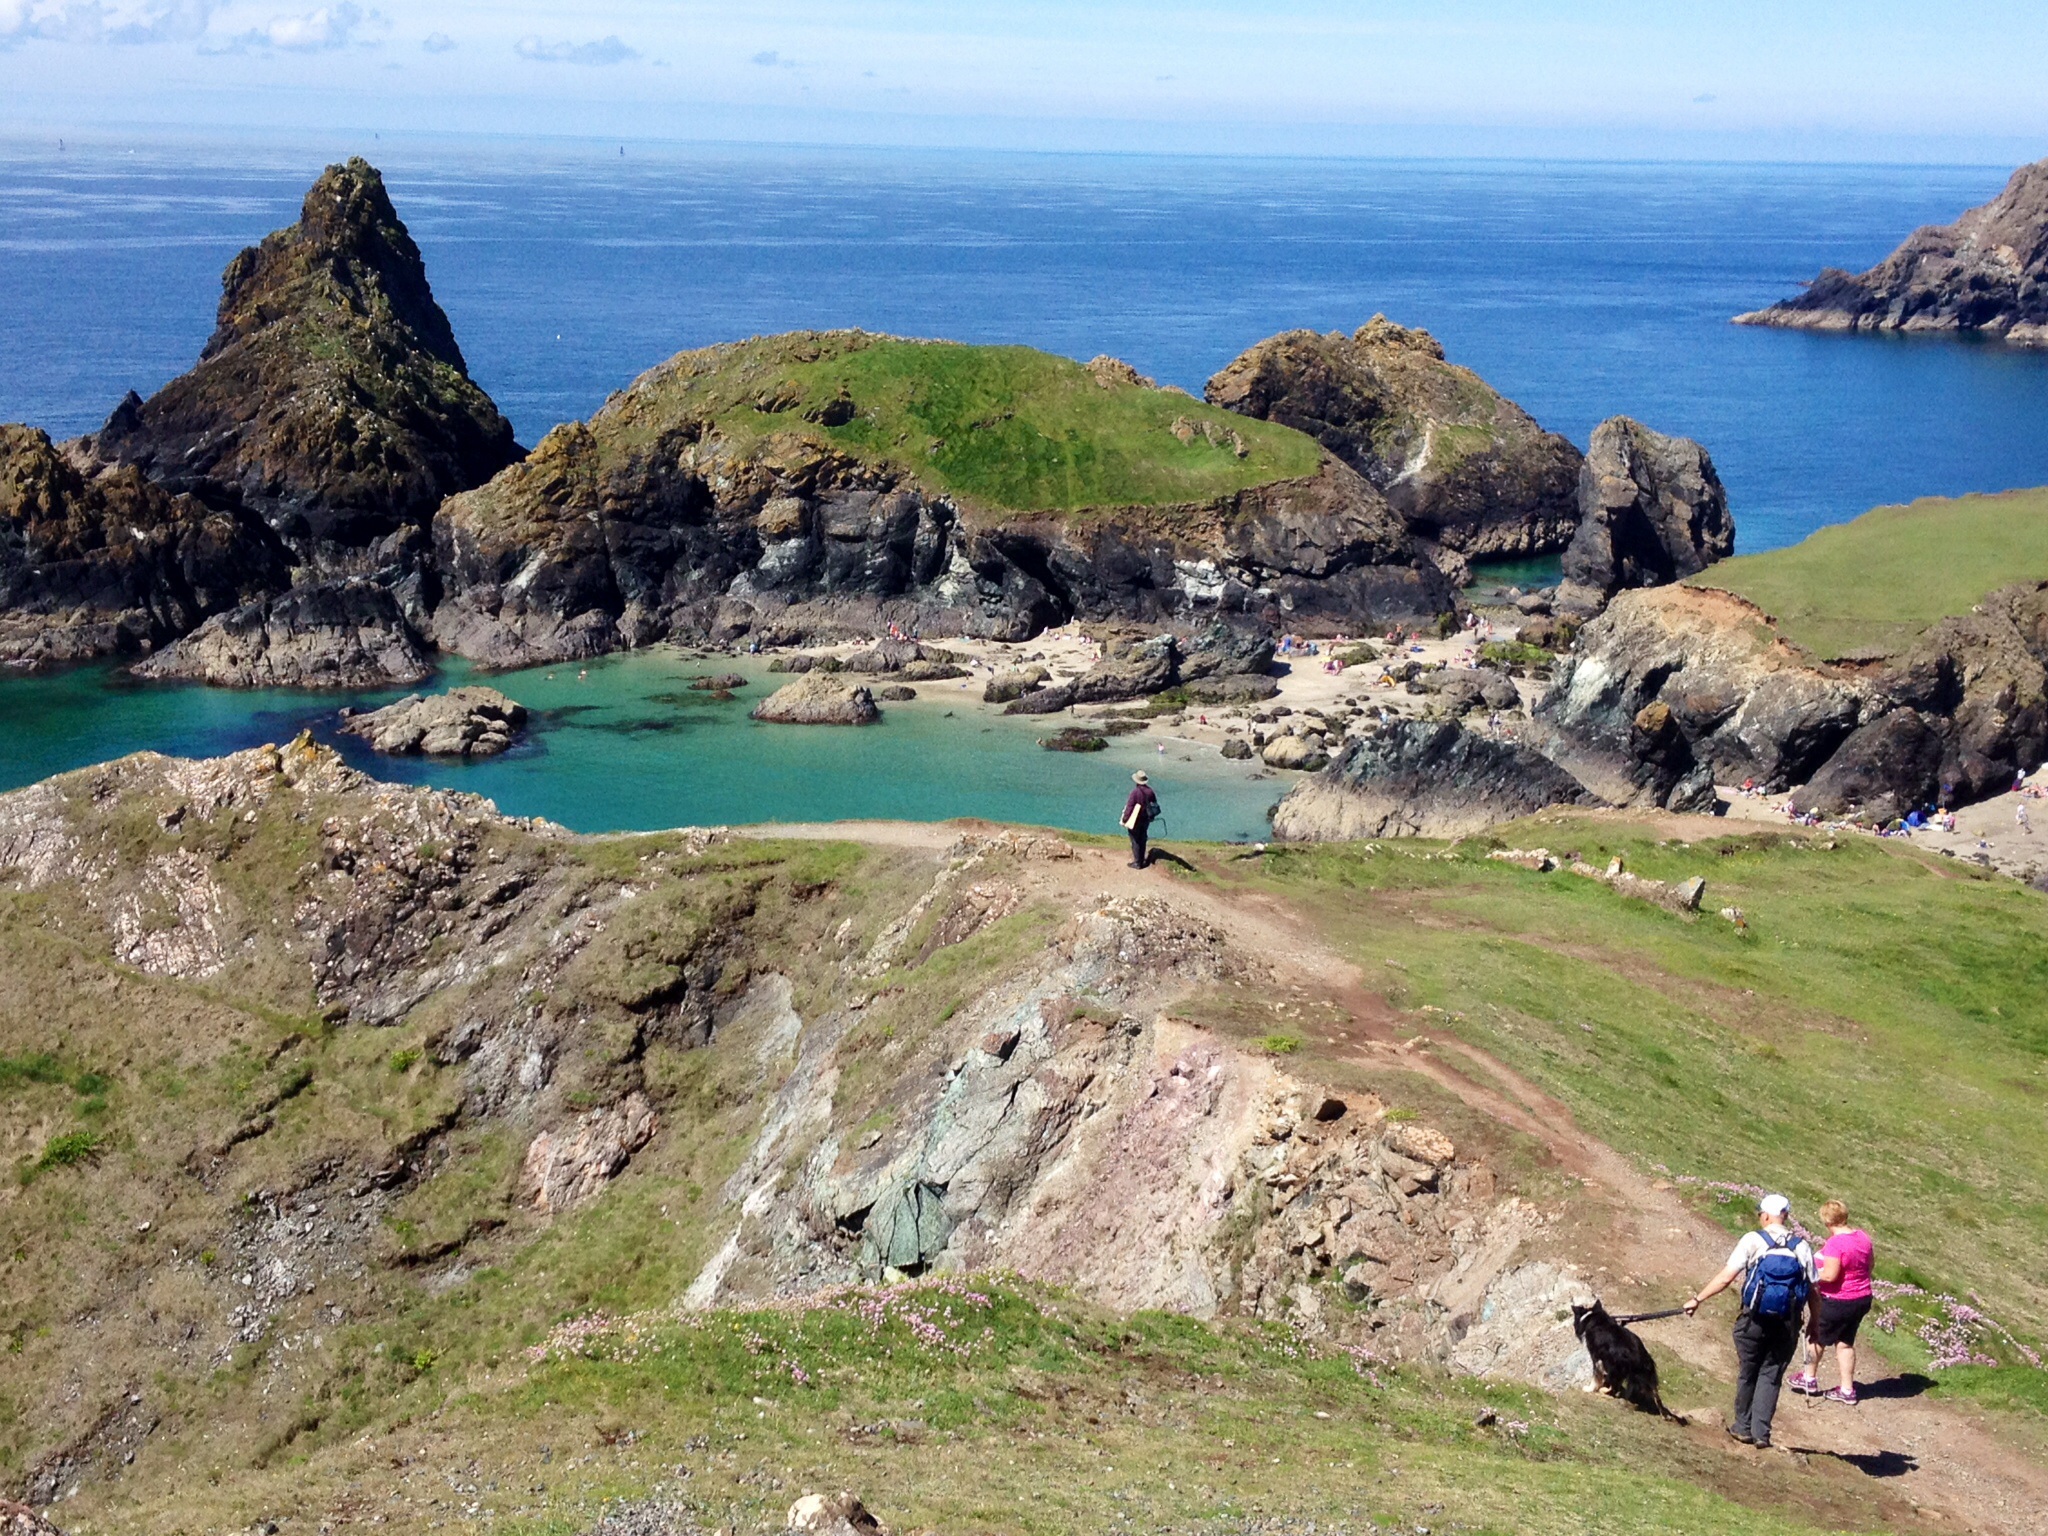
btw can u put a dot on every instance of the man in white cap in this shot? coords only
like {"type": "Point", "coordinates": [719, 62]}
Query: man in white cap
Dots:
{"type": "Point", "coordinates": [1140, 811]}
{"type": "Point", "coordinates": [1775, 1266]}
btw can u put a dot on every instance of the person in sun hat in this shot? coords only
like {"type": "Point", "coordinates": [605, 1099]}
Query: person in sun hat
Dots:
{"type": "Point", "coordinates": [1141, 809]}
{"type": "Point", "coordinates": [1775, 1266]}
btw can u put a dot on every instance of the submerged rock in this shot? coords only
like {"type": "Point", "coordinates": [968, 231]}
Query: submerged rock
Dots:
{"type": "Point", "coordinates": [1417, 778]}
{"type": "Point", "coordinates": [1074, 738]}
{"type": "Point", "coordinates": [1464, 466]}
{"type": "Point", "coordinates": [332, 398]}
{"type": "Point", "coordinates": [819, 698]}
{"type": "Point", "coordinates": [463, 722]}
{"type": "Point", "coordinates": [1652, 511]}
{"type": "Point", "coordinates": [1987, 272]}
{"type": "Point", "coordinates": [349, 634]}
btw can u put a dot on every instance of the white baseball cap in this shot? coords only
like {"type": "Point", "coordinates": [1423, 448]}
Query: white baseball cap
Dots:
{"type": "Point", "coordinates": [1775, 1205]}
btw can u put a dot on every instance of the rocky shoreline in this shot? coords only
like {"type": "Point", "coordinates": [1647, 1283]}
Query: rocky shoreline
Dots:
{"type": "Point", "coordinates": [1986, 274]}
{"type": "Point", "coordinates": [328, 500]}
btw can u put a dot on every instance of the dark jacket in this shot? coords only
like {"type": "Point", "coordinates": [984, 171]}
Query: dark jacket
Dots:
{"type": "Point", "coordinates": [1141, 795]}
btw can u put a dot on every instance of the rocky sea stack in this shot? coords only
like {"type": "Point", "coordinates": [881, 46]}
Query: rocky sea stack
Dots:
{"type": "Point", "coordinates": [332, 398]}
{"type": "Point", "coordinates": [1986, 273]}
{"type": "Point", "coordinates": [1652, 511]}
{"type": "Point", "coordinates": [1465, 467]}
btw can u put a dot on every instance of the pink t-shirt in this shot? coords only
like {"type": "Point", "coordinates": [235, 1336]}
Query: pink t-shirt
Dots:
{"type": "Point", "coordinates": [1853, 1249]}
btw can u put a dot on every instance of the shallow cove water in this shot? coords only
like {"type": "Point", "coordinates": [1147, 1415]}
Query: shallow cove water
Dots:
{"type": "Point", "coordinates": [630, 746]}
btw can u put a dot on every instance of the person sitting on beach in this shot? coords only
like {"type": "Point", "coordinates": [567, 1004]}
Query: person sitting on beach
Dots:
{"type": "Point", "coordinates": [1841, 1298]}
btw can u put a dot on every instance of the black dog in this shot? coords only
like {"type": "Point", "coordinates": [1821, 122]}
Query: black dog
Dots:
{"type": "Point", "coordinates": [1623, 1366]}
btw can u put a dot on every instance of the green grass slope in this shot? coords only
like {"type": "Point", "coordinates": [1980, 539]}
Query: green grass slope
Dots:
{"type": "Point", "coordinates": [1007, 429]}
{"type": "Point", "coordinates": [1874, 1031]}
{"type": "Point", "coordinates": [1868, 588]}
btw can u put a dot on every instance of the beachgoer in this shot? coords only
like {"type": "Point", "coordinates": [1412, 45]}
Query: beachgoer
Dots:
{"type": "Point", "coordinates": [1775, 1267]}
{"type": "Point", "coordinates": [1140, 811]}
{"type": "Point", "coordinates": [2019, 814]}
{"type": "Point", "coordinates": [1841, 1298]}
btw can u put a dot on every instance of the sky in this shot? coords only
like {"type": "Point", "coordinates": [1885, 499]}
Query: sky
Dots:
{"type": "Point", "coordinates": [1820, 80]}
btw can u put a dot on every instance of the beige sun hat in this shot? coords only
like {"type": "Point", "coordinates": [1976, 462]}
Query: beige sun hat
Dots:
{"type": "Point", "coordinates": [1141, 777]}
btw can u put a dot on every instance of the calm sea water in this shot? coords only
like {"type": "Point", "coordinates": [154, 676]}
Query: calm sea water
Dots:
{"type": "Point", "coordinates": [624, 744]}
{"type": "Point", "coordinates": [1580, 290]}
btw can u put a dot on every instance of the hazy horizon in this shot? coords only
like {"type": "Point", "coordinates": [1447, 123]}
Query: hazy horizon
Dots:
{"type": "Point", "coordinates": [1882, 82]}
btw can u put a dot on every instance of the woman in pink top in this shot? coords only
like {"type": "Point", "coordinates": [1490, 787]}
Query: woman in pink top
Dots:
{"type": "Point", "coordinates": [1841, 1297]}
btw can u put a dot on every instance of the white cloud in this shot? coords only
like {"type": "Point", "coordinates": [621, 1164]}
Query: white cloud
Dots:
{"type": "Point", "coordinates": [329, 27]}
{"type": "Point", "coordinates": [439, 42]}
{"type": "Point", "coordinates": [606, 50]}
{"type": "Point", "coordinates": [97, 21]}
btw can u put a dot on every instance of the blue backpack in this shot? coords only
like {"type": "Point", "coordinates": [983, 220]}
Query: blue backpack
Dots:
{"type": "Point", "coordinates": [1776, 1285]}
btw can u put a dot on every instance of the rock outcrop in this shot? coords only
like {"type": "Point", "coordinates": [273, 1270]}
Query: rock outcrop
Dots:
{"type": "Point", "coordinates": [1417, 778]}
{"type": "Point", "coordinates": [1986, 273]}
{"type": "Point", "coordinates": [1465, 467]}
{"type": "Point", "coordinates": [1651, 511]}
{"type": "Point", "coordinates": [463, 722]}
{"type": "Point", "coordinates": [339, 634]}
{"type": "Point", "coordinates": [97, 561]}
{"type": "Point", "coordinates": [1667, 681]}
{"type": "Point", "coordinates": [819, 698]}
{"type": "Point", "coordinates": [332, 399]}
{"type": "Point", "coordinates": [662, 517]}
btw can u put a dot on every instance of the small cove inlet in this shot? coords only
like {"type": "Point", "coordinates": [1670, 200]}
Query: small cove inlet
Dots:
{"type": "Point", "coordinates": [623, 743]}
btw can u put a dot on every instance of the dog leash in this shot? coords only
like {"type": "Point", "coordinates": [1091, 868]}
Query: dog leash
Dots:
{"type": "Point", "coordinates": [1649, 1317]}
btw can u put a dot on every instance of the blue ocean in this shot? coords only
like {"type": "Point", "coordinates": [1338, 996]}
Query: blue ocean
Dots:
{"type": "Point", "coordinates": [1580, 290]}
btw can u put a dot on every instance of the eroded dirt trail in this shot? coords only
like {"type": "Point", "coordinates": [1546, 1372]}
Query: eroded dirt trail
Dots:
{"type": "Point", "coordinates": [1938, 1464]}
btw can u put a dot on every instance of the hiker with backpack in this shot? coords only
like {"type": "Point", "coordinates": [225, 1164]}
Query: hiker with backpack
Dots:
{"type": "Point", "coordinates": [1775, 1266]}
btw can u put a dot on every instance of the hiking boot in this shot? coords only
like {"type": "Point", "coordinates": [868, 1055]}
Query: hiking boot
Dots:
{"type": "Point", "coordinates": [1807, 1385]}
{"type": "Point", "coordinates": [1837, 1395]}
{"type": "Point", "coordinates": [1739, 1437]}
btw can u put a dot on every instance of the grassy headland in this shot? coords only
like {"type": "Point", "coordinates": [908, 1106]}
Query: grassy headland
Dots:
{"type": "Point", "coordinates": [1869, 587]}
{"type": "Point", "coordinates": [1007, 428]}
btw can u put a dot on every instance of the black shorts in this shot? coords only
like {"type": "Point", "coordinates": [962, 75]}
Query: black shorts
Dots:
{"type": "Point", "coordinates": [1835, 1320]}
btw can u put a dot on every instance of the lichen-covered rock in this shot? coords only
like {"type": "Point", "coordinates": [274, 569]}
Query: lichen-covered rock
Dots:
{"type": "Point", "coordinates": [20, 1520]}
{"type": "Point", "coordinates": [332, 398]}
{"type": "Point", "coordinates": [839, 1514]}
{"type": "Point", "coordinates": [1012, 683]}
{"type": "Point", "coordinates": [463, 722]}
{"type": "Point", "coordinates": [1987, 273]}
{"type": "Point", "coordinates": [1652, 510]}
{"type": "Point", "coordinates": [1416, 778]}
{"type": "Point", "coordinates": [819, 698]}
{"type": "Point", "coordinates": [347, 634]}
{"type": "Point", "coordinates": [1465, 467]}
{"type": "Point", "coordinates": [97, 561]}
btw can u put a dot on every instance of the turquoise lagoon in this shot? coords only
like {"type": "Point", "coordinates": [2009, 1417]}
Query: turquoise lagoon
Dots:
{"type": "Point", "coordinates": [623, 743]}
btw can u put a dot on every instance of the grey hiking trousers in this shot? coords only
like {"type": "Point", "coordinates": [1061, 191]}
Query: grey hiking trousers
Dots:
{"type": "Point", "coordinates": [1764, 1346]}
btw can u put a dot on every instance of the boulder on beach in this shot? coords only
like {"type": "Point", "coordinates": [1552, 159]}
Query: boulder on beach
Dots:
{"type": "Point", "coordinates": [1295, 752]}
{"type": "Point", "coordinates": [463, 722]}
{"type": "Point", "coordinates": [1013, 683]}
{"type": "Point", "coordinates": [819, 698]}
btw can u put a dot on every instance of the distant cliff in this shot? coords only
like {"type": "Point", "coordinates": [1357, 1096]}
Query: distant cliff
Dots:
{"type": "Point", "coordinates": [1986, 273]}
